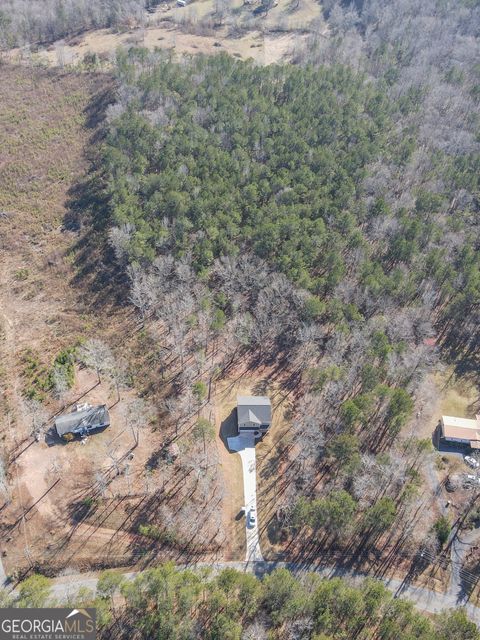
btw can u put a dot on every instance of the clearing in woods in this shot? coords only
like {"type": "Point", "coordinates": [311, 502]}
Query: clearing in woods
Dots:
{"type": "Point", "coordinates": [243, 33]}
{"type": "Point", "coordinates": [226, 393]}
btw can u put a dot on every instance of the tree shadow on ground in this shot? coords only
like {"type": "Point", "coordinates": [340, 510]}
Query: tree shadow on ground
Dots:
{"type": "Point", "coordinates": [461, 348]}
{"type": "Point", "coordinates": [52, 439]}
{"type": "Point", "coordinates": [229, 429]}
{"type": "Point", "coordinates": [261, 387]}
{"type": "Point", "coordinates": [468, 583]}
{"type": "Point", "coordinates": [88, 215]}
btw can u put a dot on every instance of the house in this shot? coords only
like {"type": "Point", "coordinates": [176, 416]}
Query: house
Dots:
{"type": "Point", "coordinates": [254, 414]}
{"type": "Point", "coordinates": [82, 421]}
{"type": "Point", "coordinates": [461, 431]}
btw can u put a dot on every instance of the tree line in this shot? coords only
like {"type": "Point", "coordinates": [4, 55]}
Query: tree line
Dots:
{"type": "Point", "coordinates": [170, 604]}
{"type": "Point", "coordinates": [28, 22]}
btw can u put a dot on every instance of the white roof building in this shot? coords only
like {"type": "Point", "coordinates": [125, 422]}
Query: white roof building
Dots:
{"type": "Point", "coordinates": [462, 430]}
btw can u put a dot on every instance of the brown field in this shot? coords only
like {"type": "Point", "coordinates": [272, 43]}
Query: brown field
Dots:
{"type": "Point", "coordinates": [44, 130]}
{"type": "Point", "coordinates": [263, 48]}
{"type": "Point", "coordinates": [195, 29]}
{"type": "Point", "coordinates": [284, 15]}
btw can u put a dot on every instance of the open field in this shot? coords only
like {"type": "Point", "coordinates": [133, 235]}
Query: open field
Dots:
{"type": "Point", "coordinates": [195, 29]}
{"type": "Point", "coordinates": [460, 396]}
{"type": "Point", "coordinates": [43, 132]}
{"type": "Point", "coordinates": [263, 48]}
{"type": "Point", "coordinates": [44, 129]}
{"type": "Point", "coordinates": [286, 14]}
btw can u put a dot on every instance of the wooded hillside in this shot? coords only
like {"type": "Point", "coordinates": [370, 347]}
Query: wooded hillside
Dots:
{"type": "Point", "coordinates": [24, 22]}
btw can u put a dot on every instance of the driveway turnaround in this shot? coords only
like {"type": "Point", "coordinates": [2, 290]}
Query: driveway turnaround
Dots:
{"type": "Point", "coordinates": [244, 445]}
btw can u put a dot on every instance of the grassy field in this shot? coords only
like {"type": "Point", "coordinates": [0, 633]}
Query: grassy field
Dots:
{"type": "Point", "coordinates": [460, 396]}
{"type": "Point", "coordinates": [42, 133]}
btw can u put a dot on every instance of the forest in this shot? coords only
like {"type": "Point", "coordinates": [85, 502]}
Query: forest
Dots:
{"type": "Point", "coordinates": [170, 604]}
{"type": "Point", "coordinates": [295, 214]}
{"type": "Point", "coordinates": [214, 158]}
{"type": "Point", "coordinates": [317, 221]}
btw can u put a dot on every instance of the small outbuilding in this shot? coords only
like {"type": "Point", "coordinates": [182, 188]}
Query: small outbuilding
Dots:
{"type": "Point", "coordinates": [460, 431]}
{"type": "Point", "coordinates": [254, 414]}
{"type": "Point", "coordinates": [83, 421]}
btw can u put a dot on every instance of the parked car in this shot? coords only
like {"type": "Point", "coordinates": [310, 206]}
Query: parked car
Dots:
{"type": "Point", "coordinates": [471, 462]}
{"type": "Point", "coordinates": [252, 517]}
{"type": "Point", "coordinates": [470, 479]}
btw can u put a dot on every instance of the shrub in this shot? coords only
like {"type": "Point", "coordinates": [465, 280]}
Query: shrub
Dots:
{"type": "Point", "coordinates": [442, 529]}
{"type": "Point", "coordinates": [199, 390]}
{"type": "Point", "coordinates": [162, 535]}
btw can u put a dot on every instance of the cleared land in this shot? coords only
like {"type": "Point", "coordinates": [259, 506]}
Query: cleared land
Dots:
{"type": "Point", "coordinates": [44, 127]}
{"type": "Point", "coordinates": [241, 32]}
{"type": "Point", "coordinates": [226, 398]}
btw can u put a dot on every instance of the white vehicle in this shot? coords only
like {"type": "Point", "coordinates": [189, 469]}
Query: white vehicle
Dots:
{"type": "Point", "coordinates": [471, 462]}
{"type": "Point", "coordinates": [252, 518]}
{"type": "Point", "coordinates": [471, 479]}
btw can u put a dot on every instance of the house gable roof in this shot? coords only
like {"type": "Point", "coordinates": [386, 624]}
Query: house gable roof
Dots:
{"type": "Point", "coordinates": [256, 409]}
{"type": "Point", "coordinates": [91, 418]}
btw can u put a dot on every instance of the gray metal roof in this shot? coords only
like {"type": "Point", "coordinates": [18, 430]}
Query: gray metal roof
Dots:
{"type": "Point", "coordinates": [87, 419]}
{"type": "Point", "coordinates": [256, 409]}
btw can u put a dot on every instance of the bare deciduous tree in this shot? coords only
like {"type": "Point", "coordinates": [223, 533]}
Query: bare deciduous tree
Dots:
{"type": "Point", "coordinates": [36, 415]}
{"type": "Point", "coordinates": [95, 354]}
{"type": "Point", "coordinates": [138, 415]}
